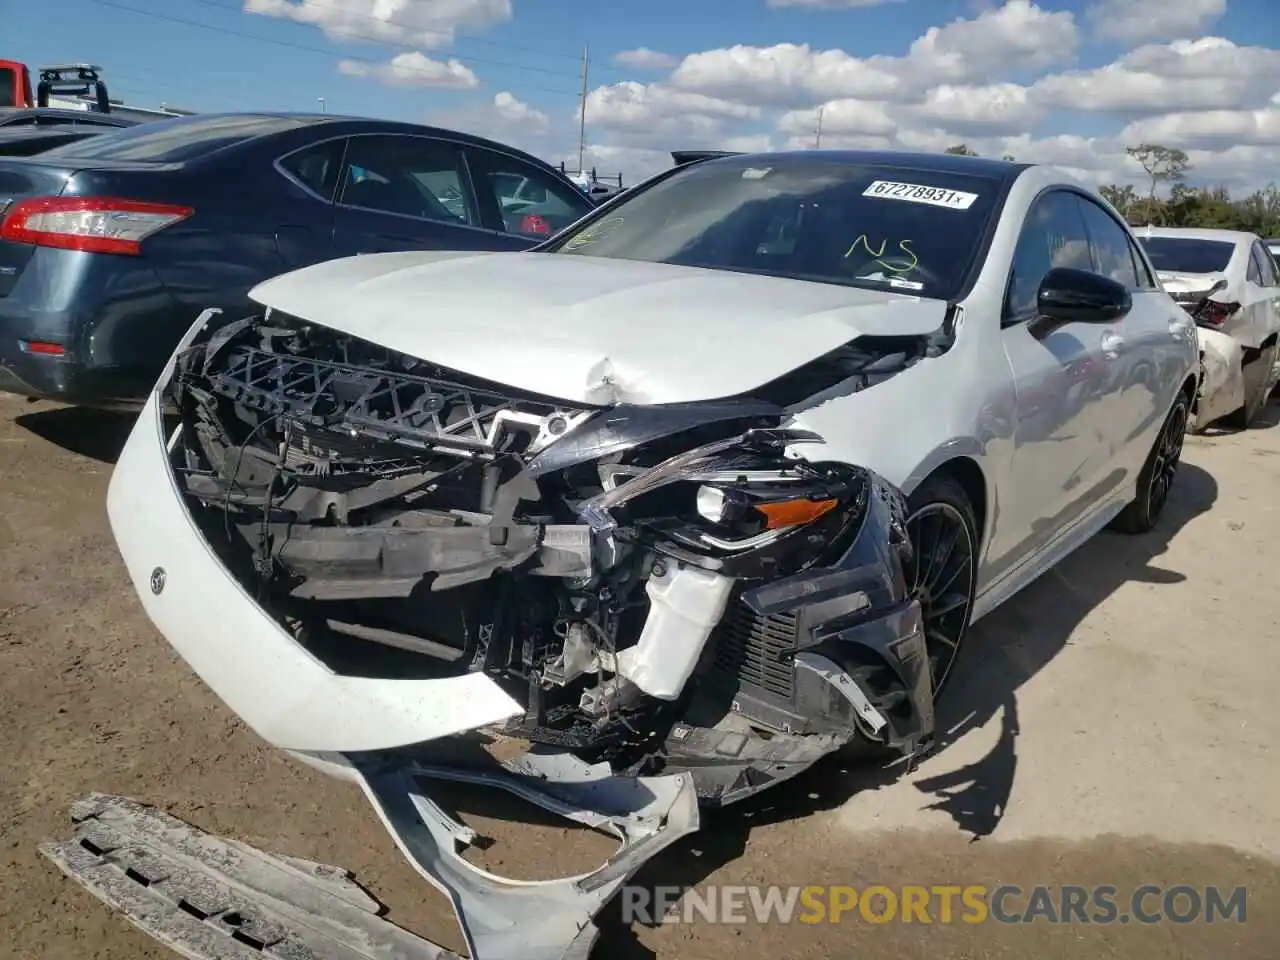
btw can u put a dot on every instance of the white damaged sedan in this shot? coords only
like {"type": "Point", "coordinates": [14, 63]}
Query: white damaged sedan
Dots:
{"type": "Point", "coordinates": [704, 488]}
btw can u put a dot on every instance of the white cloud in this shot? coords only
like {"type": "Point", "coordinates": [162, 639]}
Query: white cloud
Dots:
{"type": "Point", "coordinates": [520, 113]}
{"type": "Point", "coordinates": [1132, 21]}
{"type": "Point", "coordinates": [1015, 37]}
{"type": "Point", "coordinates": [1222, 128]}
{"type": "Point", "coordinates": [414, 70]}
{"type": "Point", "coordinates": [785, 74]}
{"type": "Point", "coordinates": [840, 118]}
{"type": "Point", "coordinates": [1206, 74]}
{"type": "Point", "coordinates": [989, 109]}
{"type": "Point", "coordinates": [655, 110]}
{"type": "Point", "coordinates": [642, 58]}
{"type": "Point", "coordinates": [430, 24]}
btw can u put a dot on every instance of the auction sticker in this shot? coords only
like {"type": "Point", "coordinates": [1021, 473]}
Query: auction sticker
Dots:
{"type": "Point", "coordinates": [918, 193]}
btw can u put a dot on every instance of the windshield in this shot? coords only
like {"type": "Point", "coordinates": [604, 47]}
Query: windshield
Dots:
{"type": "Point", "coordinates": [1186, 255]}
{"type": "Point", "coordinates": [173, 141]}
{"type": "Point", "coordinates": [880, 227]}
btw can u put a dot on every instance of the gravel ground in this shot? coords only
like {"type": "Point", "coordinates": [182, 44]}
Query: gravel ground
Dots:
{"type": "Point", "coordinates": [1111, 725]}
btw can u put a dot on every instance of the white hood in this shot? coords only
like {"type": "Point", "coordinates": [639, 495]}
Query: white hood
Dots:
{"type": "Point", "coordinates": [589, 329]}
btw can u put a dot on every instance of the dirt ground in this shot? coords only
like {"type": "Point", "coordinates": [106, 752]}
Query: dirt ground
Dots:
{"type": "Point", "coordinates": [1112, 725]}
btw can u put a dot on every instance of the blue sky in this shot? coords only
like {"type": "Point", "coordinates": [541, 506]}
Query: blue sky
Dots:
{"type": "Point", "coordinates": [209, 55]}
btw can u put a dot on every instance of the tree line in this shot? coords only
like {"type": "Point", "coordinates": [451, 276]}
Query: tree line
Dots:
{"type": "Point", "coordinates": [1166, 199]}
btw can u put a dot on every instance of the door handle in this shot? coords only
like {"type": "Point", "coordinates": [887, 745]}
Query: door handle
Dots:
{"type": "Point", "coordinates": [1112, 344]}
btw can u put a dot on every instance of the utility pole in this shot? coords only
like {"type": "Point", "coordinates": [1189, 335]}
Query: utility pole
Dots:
{"type": "Point", "coordinates": [582, 116]}
{"type": "Point", "coordinates": [817, 139]}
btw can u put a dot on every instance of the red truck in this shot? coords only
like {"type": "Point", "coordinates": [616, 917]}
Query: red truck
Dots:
{"type": "Point", "coordinates": [15, 85]}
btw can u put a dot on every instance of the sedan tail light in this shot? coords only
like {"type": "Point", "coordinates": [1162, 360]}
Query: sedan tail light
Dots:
{"type": "Point", "coordinates": [91, 224]}
{"type": "Point", "coordinates": [1215, 314]}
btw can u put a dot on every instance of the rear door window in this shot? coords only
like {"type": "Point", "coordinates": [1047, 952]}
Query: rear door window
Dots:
{"type": "Point", "coordinates": [409, 176]}
{"type": "Point", "coordinates": [1254, 273]}
{"type": "Point", "coordinates": [1266, 267]}
{"type": "Point", "coordinates": [530, 201]}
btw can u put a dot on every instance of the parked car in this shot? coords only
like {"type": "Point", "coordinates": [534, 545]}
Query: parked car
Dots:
{"type": "Point", "coordinates": [57, 117]}
{"type": "Point", "coordinates": [1273, 246]}
{"type": "Point", "coordinates": [705, 487]}
{"type": "Point", "coordinates": [110, 247]}
{"type": "Point", "coordinates": [29, 141]}
{"type": "Point", "coordinates": [1239, 323]}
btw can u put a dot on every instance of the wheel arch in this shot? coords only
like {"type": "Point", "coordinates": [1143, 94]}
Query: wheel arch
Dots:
{"type": "Point", "coordinates": [968, 473]}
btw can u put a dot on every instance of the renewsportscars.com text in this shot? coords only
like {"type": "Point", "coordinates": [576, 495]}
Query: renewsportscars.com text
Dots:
{"type": "Point", "coordinates": [936, 904]}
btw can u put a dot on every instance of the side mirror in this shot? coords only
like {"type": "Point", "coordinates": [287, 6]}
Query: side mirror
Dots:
{"type": "Point", "coordinates": [1068, 295]}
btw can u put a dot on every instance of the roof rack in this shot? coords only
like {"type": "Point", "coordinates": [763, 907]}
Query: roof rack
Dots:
{"type": "Point", "coordinates": [591, 182]}
{"type": "Point", "coordinates": [73, 80]}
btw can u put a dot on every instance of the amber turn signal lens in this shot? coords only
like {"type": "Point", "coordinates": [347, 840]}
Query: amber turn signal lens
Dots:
{"type": "Point", "coordinates": [789, 513]}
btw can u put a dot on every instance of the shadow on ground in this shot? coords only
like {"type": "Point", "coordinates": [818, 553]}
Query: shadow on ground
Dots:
{"type": "Point", "coordinates": [89, 432]}
{"type": "Point", "coordinates": [1004, 651]}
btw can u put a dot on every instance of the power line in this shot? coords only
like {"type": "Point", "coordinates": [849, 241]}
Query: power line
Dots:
{"type": "Point", "coordinates": [323, 52]}
{"type": "Point", "coordinates": [392, 22]}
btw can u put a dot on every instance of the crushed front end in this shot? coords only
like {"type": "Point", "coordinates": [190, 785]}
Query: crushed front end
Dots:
{"type": "Point", "coordinates": [372, 558]}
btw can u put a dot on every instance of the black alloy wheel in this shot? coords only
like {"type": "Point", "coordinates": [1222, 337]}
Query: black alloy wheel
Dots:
{"type": "Point", "coordinates": [1167, 456]}
{"type": "Point", "coordinates": [942, 572]}
{"type": "Point", "coordinates": [1158, 473]}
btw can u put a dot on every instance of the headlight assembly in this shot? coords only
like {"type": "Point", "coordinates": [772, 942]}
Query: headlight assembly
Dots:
{"type": "Point", "coordinates": [740, 503]}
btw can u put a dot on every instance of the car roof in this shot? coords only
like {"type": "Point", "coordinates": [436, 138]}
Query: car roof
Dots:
{"type": "Point", "coordinates": [944, 163]}
{"type": "Point", "coordinates": [1196, 233]}
{"type": "Point", "coordinates": [345, 125]}
{"type": "Point", "coordinates": [9, 115]}
{"type": "Point", "coordinates": [35, 133]}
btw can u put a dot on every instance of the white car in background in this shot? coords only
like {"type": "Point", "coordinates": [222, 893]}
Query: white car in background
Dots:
{"type": "Point", "coordinates": [1240, 322]}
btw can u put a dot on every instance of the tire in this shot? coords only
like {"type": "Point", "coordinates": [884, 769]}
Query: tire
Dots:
{"type": "Point", "coordinates": [936, 511]}
{"type": "Point", "coordinates": [1158, 473]}
{"type": "Point", "coordinates": [1256, 397]}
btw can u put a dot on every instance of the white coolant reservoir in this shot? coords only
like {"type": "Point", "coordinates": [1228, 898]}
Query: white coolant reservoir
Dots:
{"type": "Point", "coordinates": [685, 604]}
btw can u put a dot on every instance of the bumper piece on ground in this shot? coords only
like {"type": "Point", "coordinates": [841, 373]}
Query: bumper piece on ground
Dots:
{"type": "Point", "coordinates": [505, 919]}
{"type": "Point", "coordinates": [213, 899]}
